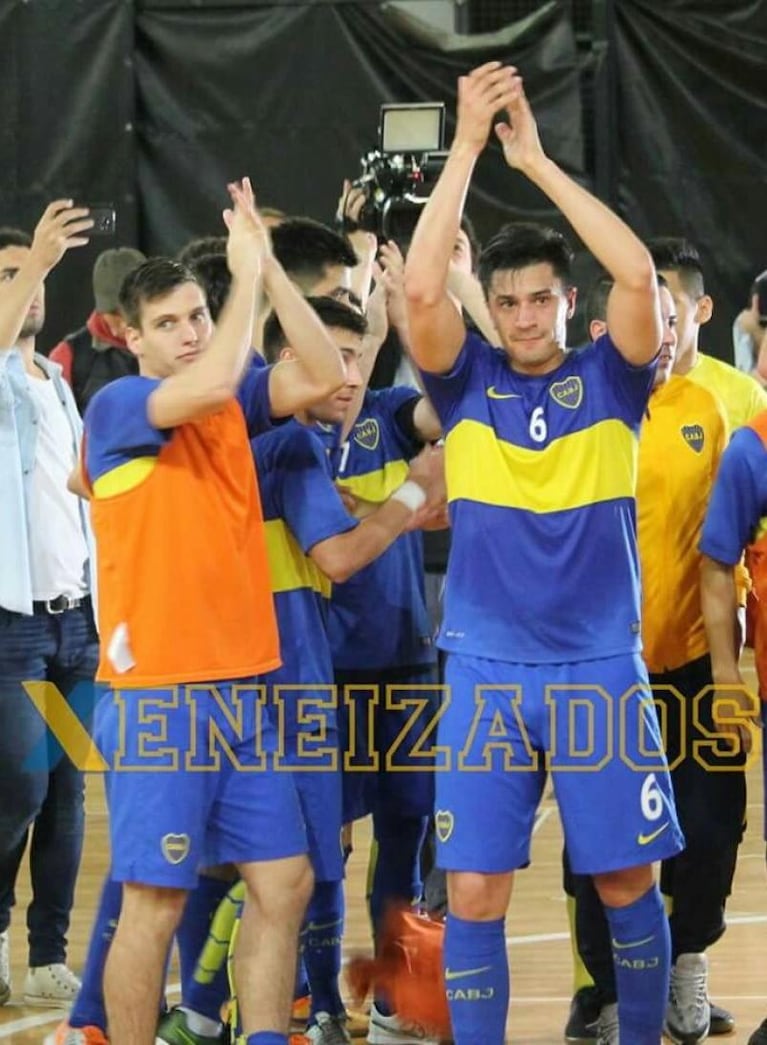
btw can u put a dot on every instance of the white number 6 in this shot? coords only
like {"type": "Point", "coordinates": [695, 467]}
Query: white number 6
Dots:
{"type": "Point", "coordinates": [651, 799]}
{"type": "Point", "coordinates": [538, 430]}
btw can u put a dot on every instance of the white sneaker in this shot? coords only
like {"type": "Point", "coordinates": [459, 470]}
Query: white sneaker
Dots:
{"type": "Point", "coordinates": [607, 1025]}
{"type": "Point", "coordinates": [327, 1030]}
{"type": "Point", "coordinates": [51, 986]}
{"type": "Point", "coordinates": [5, 968]}
{"type": "Point", "coordinates": [391, 1030]}
{"type": "Point", "coordinates": [688, 1014]}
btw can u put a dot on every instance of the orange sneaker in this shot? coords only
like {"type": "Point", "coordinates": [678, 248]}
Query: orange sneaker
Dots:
{"type": "Point", "coordinates": [66, 1035]}
{"type": "Point", "coordinates": [300, 1015]}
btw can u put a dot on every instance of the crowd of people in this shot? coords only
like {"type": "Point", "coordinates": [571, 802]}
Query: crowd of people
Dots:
{"type": "Point", "coordinates": [213, 556]}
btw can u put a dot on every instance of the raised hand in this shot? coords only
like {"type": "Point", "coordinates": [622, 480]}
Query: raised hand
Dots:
{"type": "Point", "coordinates": [392, 275]}
{"type": "Point", "coordinates": [519, 138]}
{"type": "Point", "coordinates": [62, 226]}
{"type": "Point", "coordinates": [481, 95]}
{"type": "Point", "coordinates": [249, 247]}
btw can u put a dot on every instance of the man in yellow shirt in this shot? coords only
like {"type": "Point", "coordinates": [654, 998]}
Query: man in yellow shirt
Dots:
{"type": "Point", "coordinates": [678, 261]}
{"type": "Point", "coordinates": [681, 441]}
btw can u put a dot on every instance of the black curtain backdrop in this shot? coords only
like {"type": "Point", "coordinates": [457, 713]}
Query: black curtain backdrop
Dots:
{"type": "Point", "coordinates": [155, 104]}
{"type": "Point", "coordinates": [692, 126]}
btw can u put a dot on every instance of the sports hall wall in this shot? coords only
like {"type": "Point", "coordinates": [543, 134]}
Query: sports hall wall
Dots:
{"type": "Point", "coordinates": [155, 104]}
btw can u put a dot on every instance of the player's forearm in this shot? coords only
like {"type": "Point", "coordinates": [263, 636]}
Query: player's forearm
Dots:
{"type": "Point", "coordinates": [606, 235]}
{"type": "Point", "coordinates": [306, 334]}
{"type": "Point", "coordinates": [719, 601]}
{"type": "Point", "coordinates": [360, 546]}
{"type": "Point", "coordinates": [222, 365]}
{"type": "Point", "coordinates": [468, 292]}
{"type": "Point", "coordinates": [428, 259]}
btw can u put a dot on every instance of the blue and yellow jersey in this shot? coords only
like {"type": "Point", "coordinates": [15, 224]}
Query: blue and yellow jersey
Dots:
{"type": "Point", "coordinates": [301, 508]}
{"type": "Point", "coordinates": [541, 476]}
{"type": "Point", "coordinates": [180, 539]}
{"type": "Point", "coordinates": [378, 617]}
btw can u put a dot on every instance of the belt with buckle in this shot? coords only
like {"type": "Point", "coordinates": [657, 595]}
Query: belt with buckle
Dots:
{"type": "Point", "coordinates": [60, 604]}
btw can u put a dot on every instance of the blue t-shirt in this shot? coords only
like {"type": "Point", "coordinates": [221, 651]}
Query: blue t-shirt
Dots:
{"type": "Point", "coordinates": [738, 500]}
{"type": "Point", "coordinates": [541, 477]}
{"type": "Point", "coordinates": [118, 429]}
{"type": "Point", "coordinates": [301, 507]}
{"type": "Point", "coordinates": [378, 618]}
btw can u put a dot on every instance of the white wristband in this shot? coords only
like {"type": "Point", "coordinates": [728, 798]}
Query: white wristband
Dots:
{"type": "Point", "coordinates": [411, 495]}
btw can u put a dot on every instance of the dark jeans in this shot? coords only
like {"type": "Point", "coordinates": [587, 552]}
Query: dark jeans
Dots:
{"type": "Point", "coordinates": [40, 788]}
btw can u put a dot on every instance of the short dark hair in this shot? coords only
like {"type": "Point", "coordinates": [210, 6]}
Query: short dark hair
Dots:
{"type": "Point", "coordinates": [212, 273]}
{"type": "Point", "coordinates": [154, 279]}
{"type": "Point", "coordinates": [332, 313]}
{"type": "Point", "coordinates": [520, 244]}
{"type": "Point", "coordinates": [10, 237]}
{"type": "Point", "coordinates": [596, 299]}
{"type": "Point", "coordinates": [305, 248]}
{"type": "Point", "coordinates": [199, 247]}
{"type": "Point", "coordinates": [676, 254]}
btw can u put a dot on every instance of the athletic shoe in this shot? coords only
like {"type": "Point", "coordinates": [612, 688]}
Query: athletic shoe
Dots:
{"type": "Point", "coordinates": [299, 1016]}
{"type": "Point", "coordinates": [66, 1035]}
{"type": "Point", "coordinates": [688, 1014]}
{"type": "Point", "coordinates": [327, 1030]}
{"type": "Point", "coordinates": [51, 986]}
{"type": "Point", "coordinates": [722, 1021]}
{"type": "Point", "coordinates": [174, 1030]}
{"type": "Point", "coordinates": [759, 1037]}
{"type": "Point", "coordinates": [584, 1015]}
{"type": "Point", "coordinates": [391, 1030]}
{"type": "Point", "coordinates": [607, 1025]}
{"type": "Point", "coordinates": [5, 968]}
{"type": "Point", "coordinates": [357, 1022]}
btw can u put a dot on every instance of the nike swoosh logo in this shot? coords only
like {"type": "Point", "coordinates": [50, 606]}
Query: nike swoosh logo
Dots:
{"type": "Point", "coordinates": [492, 394]}
{"type": "Point", "coordinates": [451, 975]}
{"type": "Point", "coordinates": [628, 946]}
{"type": "Point", "coordinates": [646, 839]}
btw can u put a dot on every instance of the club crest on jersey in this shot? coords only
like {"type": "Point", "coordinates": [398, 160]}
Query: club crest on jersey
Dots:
{"type": "Point", "coordinates": [568, 393]}
{"type": "Point", "coordinates": [444, 824]}
{"type": "Point", "coordinates": [367, 433]}
{"type": "Point", "coordinates": [175, 848]}
{"type": "Point", "coordinates": [694, 436]}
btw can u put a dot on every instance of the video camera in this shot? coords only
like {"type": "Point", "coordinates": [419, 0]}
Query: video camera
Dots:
{"type": "Point", "coordinates": [398, 176]}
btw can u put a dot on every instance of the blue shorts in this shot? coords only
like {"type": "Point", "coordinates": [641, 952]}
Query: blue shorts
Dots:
{"type": "Point", "coordinates": [192, 782]}
{"type": "Point", "coordinates": [306, 721]}
{"type": "Point", "coordinates": [399, 730]}
{"type": "Point", "coordinates": [508, 725]}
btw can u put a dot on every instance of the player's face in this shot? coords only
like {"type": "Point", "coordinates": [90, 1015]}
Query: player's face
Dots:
{"type": "Point", "coordinates": [175, 329]}
{"type": "Point", "coordinates": [461, 258]}
{"type": "Point", "coordinates": [332, 411]}
{"type": "Point", "coordinates": [530, 308]}
{"type": "Point", "coordinates": [687, 325]}
{"type": "Point", "coordinates": [11, 260]}
{"type": "Point", "coordinates": [334, 283]}
{"type": "Point", "coordinates": [668, 342]}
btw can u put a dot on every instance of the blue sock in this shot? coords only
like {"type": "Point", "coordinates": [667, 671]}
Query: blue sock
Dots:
{"type": "Point", "coordinates": [301, 986]}
{"type": "Point", "coordinates": [641, 943]}
{"type": "Point", "coordinates": [191, 935]}
{"type": "Point", "coordinates": [396, 876]}
{"type": "Point", "coordinates": [88, 1009]}
{"type": "Point", "coordinates": [321, 939]}
{"type": "Point", "coordinates": [477, 980]}
{"type": "Point", "coordinates": [266, 1037]}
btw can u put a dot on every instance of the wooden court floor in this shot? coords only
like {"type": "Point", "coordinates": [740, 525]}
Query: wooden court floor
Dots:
{"type": "Point", "coordinates": [536, 928]}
